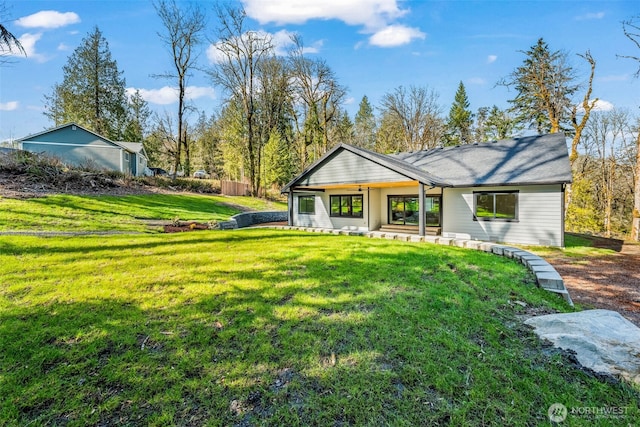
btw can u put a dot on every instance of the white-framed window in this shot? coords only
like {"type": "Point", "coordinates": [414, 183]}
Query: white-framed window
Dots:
{"type": "Point", "coordinates": [126, 156]}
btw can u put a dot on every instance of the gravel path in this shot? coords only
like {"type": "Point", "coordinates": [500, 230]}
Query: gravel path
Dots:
{"type": "Point", "coordinates": [611, 281]}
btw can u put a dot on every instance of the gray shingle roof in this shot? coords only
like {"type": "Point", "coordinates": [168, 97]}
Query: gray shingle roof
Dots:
{"type": "Point", "coordinates": [540, 159]}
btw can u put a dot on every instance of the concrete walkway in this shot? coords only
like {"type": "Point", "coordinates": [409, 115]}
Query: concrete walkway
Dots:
{"type": "Point", "coordinates": [546, 276]}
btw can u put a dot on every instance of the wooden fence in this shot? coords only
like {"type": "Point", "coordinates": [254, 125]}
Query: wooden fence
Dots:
{"type": "Point", "coordinates": [234, 188]}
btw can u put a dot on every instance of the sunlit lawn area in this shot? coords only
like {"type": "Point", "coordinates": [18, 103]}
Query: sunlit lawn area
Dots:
{"type": "Point", "coordinates": [268, 327]}
{"type": "Point", "coordinates": [121, 213]}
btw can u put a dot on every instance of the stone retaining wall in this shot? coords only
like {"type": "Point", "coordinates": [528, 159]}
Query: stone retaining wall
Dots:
{"type": "Point", "coordinates": [247, 219]}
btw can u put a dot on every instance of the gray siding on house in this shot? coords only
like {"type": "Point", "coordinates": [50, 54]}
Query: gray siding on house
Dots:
{"type": "Point", "coordinates": [322, 218]}
{"type": "Point", "coordinates": [539, 216]}
{"type": "Point", "coordinates": [347, 167]}
{"type": "Point", "coordinates": [77, 147]}
{"type": "Point", "coordinates": [92, 154]}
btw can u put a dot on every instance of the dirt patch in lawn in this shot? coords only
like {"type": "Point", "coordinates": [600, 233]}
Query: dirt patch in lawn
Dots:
{"type": "Point", "coordinates": [180, 227]}
{"type": "Point", "coordinates": [606, 281]}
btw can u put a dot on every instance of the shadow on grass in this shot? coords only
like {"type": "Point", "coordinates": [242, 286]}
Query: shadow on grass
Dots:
{"type": "Point", "coordinates": [155, 206]}
{"type": "Point", "coordinates": [313, 330]}
{"type": "Point", "coordinates": [578, 240]}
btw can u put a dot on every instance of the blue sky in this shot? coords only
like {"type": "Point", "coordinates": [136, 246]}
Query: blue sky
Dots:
{"type": "Point", "coordinates": [373, 46]}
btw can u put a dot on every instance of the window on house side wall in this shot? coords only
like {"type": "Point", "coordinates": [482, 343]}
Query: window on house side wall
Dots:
{"type": "Point", "coordinates": [495, 206]}
{"type": "Point", "coordinates": [306, 204]}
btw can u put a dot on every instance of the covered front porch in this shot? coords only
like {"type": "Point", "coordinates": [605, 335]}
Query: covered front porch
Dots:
{"type": "Point", "coordinates": [408, 207]}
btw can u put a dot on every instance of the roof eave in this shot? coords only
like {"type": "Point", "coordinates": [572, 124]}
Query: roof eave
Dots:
{"type": "Point", "coordinates": [511, 184]}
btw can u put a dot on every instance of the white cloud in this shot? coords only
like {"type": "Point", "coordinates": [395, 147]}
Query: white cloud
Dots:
{"type": "Point", "coordinates": [63, 47]}
{"type": "Point", "coordinates": [614, 78]}
{"type": "Point", "coordinates": [376, 17]}
{"type": "Point", "coordinates": [395, 35]}
{"type": "Point", "coordinates": [476, 81]}
{"type": "Point", "coordinates": [491, 59]}
{"type": "Point", "coordinates": [213, 53]}
{"type": "Point", "coordinates": [168, 95]}
{"type": "Point", "coordinates": [282, 43]}
{"type": "Point", "coordinates": [590, 16]}
{"type": "Point", "coordinates": [9, 106]}
{"type": "Point", "coordinates": [372, 14]}
{"type": "Point", "coordinates": [48, 19]}
{"type": "Point", "coordinates": [601, 105]}
{"type": "Point", "coordinates": [195, 92]}
{"type": "Point", "coordinates": [28, 42]}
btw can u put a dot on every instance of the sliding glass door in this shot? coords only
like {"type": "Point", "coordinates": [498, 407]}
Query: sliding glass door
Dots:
{"type": "Point", "coordinates": [405, 210]}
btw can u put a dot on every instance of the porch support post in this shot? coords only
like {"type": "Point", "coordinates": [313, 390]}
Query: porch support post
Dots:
{"type": "Point", "coordinates": [290, 203]}
{"type": "Point", "coordinates": [421, 198]}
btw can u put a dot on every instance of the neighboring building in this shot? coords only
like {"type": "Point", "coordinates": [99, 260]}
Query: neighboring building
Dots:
{"type": "Point", "coordinates": [504, 191]}
{"type": "Point", "coordinates": [75, 145]}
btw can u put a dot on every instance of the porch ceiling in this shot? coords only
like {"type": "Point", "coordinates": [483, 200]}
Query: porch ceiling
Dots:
{"type": "Point", "coordinates": [363, 185]}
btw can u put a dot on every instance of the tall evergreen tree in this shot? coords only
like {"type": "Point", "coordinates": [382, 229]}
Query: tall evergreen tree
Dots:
{"type": "Point", "coordinates": [92, 92]}
{"type": "Point", "coordinates": [545, 83]}
{"type": "Point", "coordinates": [460, 119]}
{"type": "Point", "coordinates": [365, 125]}
{"type": "Point", "coordinates": [344, 128]}
{"type": "Point", "coordinates": [137, 122]}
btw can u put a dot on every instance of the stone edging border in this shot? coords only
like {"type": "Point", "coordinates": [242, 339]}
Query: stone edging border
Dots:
{"type": "Point", "coordinates": [546, 276]}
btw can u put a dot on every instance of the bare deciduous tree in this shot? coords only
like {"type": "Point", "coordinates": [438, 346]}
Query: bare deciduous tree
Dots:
{"type": "Point", "coordinates": [417, 113]}
{"type": "Point", "coordinates": [631, 29]}
{"type": "Point", "coordinates": [319, 95]}
{"type": "Point", "coordinates": [183, 34]}
{"type": "Point", "coordinates": [240, 53]}
{"type": "Point", "coordinates": [587, 106]}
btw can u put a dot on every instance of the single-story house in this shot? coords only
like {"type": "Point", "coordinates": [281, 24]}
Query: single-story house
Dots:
{"type": "Point", "coordinates": [508, 191]}
{"type": "Point", "coordinates": [75, 145]}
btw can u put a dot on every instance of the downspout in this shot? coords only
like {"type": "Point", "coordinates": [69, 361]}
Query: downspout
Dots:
{"type": "Point", "coordinates": [422, 212]}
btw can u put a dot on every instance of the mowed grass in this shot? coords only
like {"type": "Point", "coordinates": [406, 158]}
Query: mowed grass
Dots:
{"type": "Point", "coordinates": [119, 213]}
{"type": "Point", "coordinates": [269, 327]}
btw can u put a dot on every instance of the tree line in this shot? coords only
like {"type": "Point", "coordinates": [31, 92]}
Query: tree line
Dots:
{"type": "Point", "coordinates": [282, 112]}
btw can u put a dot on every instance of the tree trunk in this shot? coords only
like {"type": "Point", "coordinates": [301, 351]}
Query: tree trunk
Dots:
{"type": "Point", "coordinates": [635, 222]}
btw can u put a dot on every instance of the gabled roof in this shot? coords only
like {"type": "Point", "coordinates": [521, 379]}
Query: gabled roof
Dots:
{"type": "Point", "coordinates": [133, 147]}
{"type": "Point", "coordinates": [398, 166]}
{"type": "Point", "coordinates": [531, 160]}
{"type": "Point", "coordinates": [540, 159]}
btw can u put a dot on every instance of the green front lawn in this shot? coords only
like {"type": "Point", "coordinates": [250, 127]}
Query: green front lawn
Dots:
{"type": "Point", "coordinates": [119, 213]}
{"type": "Point", "coordinates": [268, 327]}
